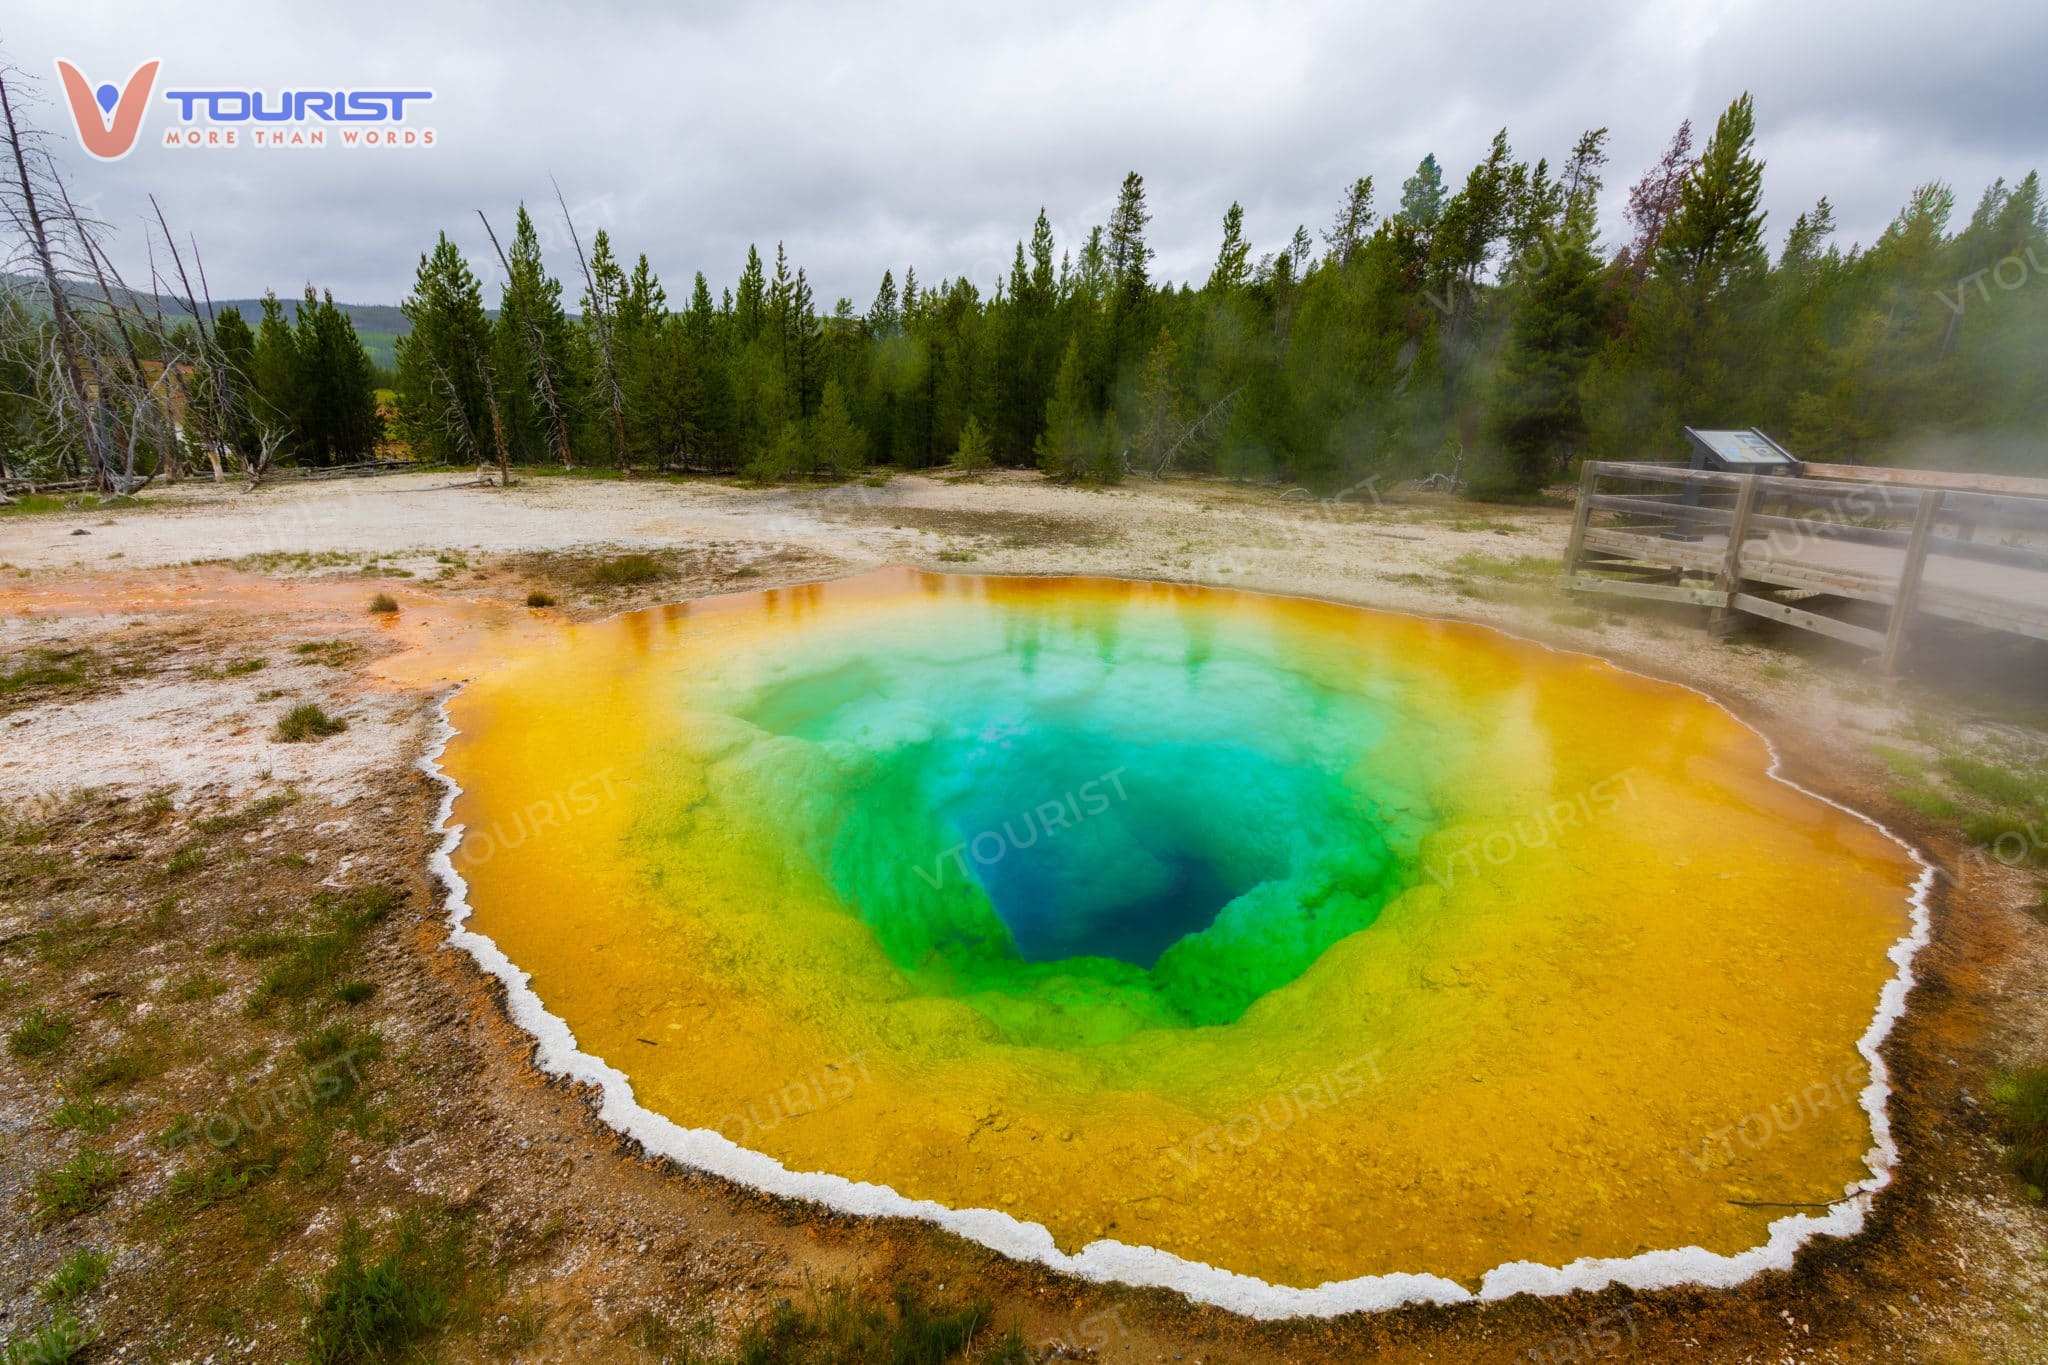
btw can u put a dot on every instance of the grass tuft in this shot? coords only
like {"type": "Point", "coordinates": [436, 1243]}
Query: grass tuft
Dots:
{"type": "Point", "coordinates": [317, 959]}
{"type": "Point", "coordinates": [80, 1185]}
{"type": "Point", "coordinates": [140, 1060]}
{"type": "Point", "coordinates": [47, 670]}
{"type": "Point", "coordinates": [249, 816]}
{"type": "Point", "coordinates": [2022, 1100]}
{"type": "Point", "coordinates": [40, 1034]}
{"type": "Point", "coordinates": [77, 1277]}
{"type": "Point", "coordinates": [306, 722]}
{"type": "Point", "coordinates": [1991, 781]}
{"type": "Point", "coordinates": [58, 1341]}
{"type": "Point", "coordinates": [379, 1309]}
{"type": "Point", "coordinates": [383, 604]}
{"type": "Point", "coordinates": [625, 571]}
{"type": "Point", "coordinates": [87, 1115]}
{"type": "Point", "coordinates": [835, 1325]}
{"type": "Point", "coordinates": [1926, 801]}
{"type": "Point", "coordinates": [537, 599]}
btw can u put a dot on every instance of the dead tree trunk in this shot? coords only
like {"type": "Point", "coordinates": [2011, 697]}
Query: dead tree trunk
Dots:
{"type": "Point", "coordinates": [146, 395]}
{"type": "Point", "coordinates": [497, 425]}
{"type": "Point", "coordinates": [604, 334]}
{"type": "Point", "coordinates": [68, 342]}
{"type": "Point", "coordinates": [223, 405]}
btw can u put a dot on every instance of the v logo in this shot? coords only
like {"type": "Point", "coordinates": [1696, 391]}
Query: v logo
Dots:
{"type": "Point", "coordinates": [107, 119]}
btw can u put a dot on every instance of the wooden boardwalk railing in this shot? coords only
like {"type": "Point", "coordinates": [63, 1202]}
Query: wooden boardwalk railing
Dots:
{"type": "Point", "coordinates": [1960, 547]}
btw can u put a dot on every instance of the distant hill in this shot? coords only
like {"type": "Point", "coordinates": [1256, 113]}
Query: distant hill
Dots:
{"type": "Point", "coordinates": [379, 325]}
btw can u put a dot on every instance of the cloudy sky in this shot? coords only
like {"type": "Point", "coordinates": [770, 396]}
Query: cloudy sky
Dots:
{"type": "Point", "coordinates": [887, 134]}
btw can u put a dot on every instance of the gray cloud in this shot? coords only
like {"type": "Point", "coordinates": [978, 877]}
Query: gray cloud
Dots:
{"type": "Point", "coordinates": [930, 134]}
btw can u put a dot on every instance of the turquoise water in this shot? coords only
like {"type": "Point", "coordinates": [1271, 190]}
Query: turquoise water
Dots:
{"type": "Point", "coordinates": [1157, 821]}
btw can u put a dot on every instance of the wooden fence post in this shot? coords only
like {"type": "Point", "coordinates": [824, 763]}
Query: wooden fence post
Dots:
{"type": "Point", "coordinates": [1909, 581]}
{"type": "Point", "coordinates": [1720, 621]}
{"type": "Point", "coordinates": [1589, 474]}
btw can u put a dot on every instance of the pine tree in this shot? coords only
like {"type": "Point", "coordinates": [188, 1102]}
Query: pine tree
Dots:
{"type": "Point", "coordinates": [538, 375]}
{"type": "Point", "coordinates": [603, 297]}
{"type": "Point", "coordinates": [1422, 196]}
{"type": "Point", "coordinates": [1707, 272]}
{"type": "Point", "coordinates": [1347, 233]}
{"type": "Point", "coordinates": [1232, 271]}
{"type": "Point", "coordinates": [974, 452]}
{"type": "Point", "coordinates": [443, 403]}
{"type": "Point", "coordinates": [235, 345]}
{"type": "Point", "coordinates": [1130, 286]}
{"type": "Point", "coordinates": [1535, 418]}
{"type": "Point", "coordinates": [1064, 446]}
{"type": "Point", "coordinates": [840, 444]}
{"type": "Point", "coordinates": [1161, 416]}
{"type": "Point", "coordinates": [1716, 231]}
{"type": "Point", "coordinates": [883, 319]}
{"type": "Point", "coordinates": [337, 386]}
{"type": "Point", "coordinates": [276, 371]}
{"type": "Point", "coordinates": [750, 305]}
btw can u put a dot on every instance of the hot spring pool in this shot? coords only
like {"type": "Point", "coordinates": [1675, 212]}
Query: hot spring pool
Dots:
{"type": "Point", "coordinates": [1301, 957]}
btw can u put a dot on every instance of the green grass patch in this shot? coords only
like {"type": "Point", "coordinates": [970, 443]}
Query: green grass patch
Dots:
{"type": "Point", "coordinates": [141, 1059]}
{"type": "Point", "coordinates": [78, 1186]}
{"type": "Point", "coordinates": [2022, 1100]}
{"type": "Point", "coordinates": [835, 1325]}
{"type": "Point", "coordinates": [257, 944]}
{"type": "Point", "coordinates": [186, 860]}
{"type": "Point", "coordinates": [306, 722]}
{"type": "Point", "coordinates": [87, 1115]}
{"type": "Point", "coordinates": [383, 604]}
{"type": "Point", "coordinates": [48, 670]}
{"type": "Point", "coordinates": [239, 668]}
{"type": "Point", "coordinates": [84, 1272]}
{"type": "Point", "coordinates": [1994, 782]}
{"type": "Point", "coordinates": [249, 816]}
{"type": "Point", "coordinates": [381, 1307]}
{"type": "Point", "coordinates": [538, 599]}
{"type": "Point", "coordinates": [194, 987]}
{"type": "Point", "coordinates": [334, 653]}
{"type": "Point", "coordinates": [1515, 569]}
{"type": "Point", "coordinates": [47, 504]}
{"type": "Point", "coordinates": [56, 1342]}
{"type": "Point", "coordinates": [234, 1171]}
{"type": "Point", "coordinates": [1926, 801]}
{"type": "Point", "coordinates": [317, 958]}
{"type": "Point", "coordinates": [626, 571]}
{"type": "Point", "coordinates": [41, 1033]}
{"type": "Point", "coordinates": [354, 992]}
{"type": "Point", "coordinates": [1907, 767]}
{"type": "Point", "coordinates": [1990, 827]}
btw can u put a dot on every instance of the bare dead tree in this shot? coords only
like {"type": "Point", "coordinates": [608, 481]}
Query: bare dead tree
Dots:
{"type": "Point", "coordinates": [222, 421]}
{"type": "Point", "coordinates": [176, 471]}
{"type": "Point", "coordinates": [269, 437]}
{"type": "Point", "coordinates": [497, 423]}
{"type": "Point", "coordinates": [542, 375]}
{"type": "Point", "coordinates": [603, 328]}
{"type": "Point", "coordinates": [454, 419]}
{"type": "Point", "coordinates": [145, 399]}
{"type": "Point", "coordinates": [27, 215]}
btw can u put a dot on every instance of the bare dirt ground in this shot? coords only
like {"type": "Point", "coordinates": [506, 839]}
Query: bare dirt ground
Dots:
{"type": "Point", "coordinates": [261, 1034]}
